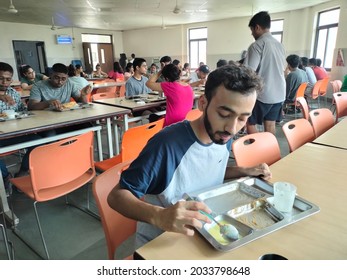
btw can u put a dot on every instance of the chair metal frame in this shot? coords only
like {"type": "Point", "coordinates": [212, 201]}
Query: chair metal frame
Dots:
{"type": "Point", "coordinates": [253, 149]}
{"type": "Point", "coordinates": [324, 88]}
{"type": "Point", "coordinates": [117, 228]}
{"type": "Point", "coordinates": [75, 159]}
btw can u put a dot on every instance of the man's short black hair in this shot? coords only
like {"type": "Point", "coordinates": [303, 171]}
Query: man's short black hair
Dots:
{"type": "Point", "coordinates": [165, 59]}
{"type": "Point", "coordinates": [6, 67]}
{"type": "Point", "coordinates": [137, 62]}
{"type": "Point", "coordinates": [304, 61]}
{"type": "Point", "coordinates": [293, 60]}
{"type": "Point", "coordinates": [221, 63]}
{"type": "Point", "coordinates": [312, 61]}
{"type": "Point", "coordinates": [240, 79]}
{"type": "Point", "coordinates": [262, 19]}
{"type": "Point", "coordinates": [60, 68]}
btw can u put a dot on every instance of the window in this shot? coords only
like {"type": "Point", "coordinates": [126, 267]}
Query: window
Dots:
{"type": "Point", "coordinates": [197, 46]}
{"type": "Point", "coordinates": [277, 29]}
{"type": "Point", "coordinates": [326, 34]}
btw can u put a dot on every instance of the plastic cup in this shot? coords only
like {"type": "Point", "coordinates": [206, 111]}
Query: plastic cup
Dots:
{"type": "Point", "coordinates": [284, 196]}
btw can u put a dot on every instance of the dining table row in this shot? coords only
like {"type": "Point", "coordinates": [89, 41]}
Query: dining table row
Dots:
{"type": "Point", "coordinates": [318, 170]}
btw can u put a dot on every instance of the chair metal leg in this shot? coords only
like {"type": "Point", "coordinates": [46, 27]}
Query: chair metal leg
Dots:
{"type": "Point", "coordinates": [17, 233]}
{"type": "Point", "coordinates": [5, 241]}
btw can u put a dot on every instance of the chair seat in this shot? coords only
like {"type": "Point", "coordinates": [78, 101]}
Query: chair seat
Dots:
{"type": "Point", "coordinates": [108, 163]}
{"type": "Point", "coordinates": [24, 184]}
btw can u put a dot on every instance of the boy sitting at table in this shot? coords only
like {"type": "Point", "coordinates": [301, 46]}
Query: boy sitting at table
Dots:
{"type": "Point", "coordinates": [189, 156]}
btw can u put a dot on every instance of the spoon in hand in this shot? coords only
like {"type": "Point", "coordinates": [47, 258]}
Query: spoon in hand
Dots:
{"type": "Point", "coordinates": [228, 230]}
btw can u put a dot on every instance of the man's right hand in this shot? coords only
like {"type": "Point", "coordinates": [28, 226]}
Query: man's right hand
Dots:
{"type": "Point", "coordinates": [7, 99]}
{"type": "Point", "coordinates": [182, 217]}
{"type": "Point", "coordinates": [55, 104]}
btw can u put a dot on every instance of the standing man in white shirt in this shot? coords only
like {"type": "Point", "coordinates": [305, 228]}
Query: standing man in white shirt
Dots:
{"type": "Point", "coordinates": [267, 57]}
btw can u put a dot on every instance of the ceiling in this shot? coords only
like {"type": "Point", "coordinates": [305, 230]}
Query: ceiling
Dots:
{"type": "Point", "coordinates": [136, 14]}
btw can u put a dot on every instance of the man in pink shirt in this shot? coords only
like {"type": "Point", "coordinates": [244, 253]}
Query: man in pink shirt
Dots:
{"type": "Point", "coordinates": [319, 71]}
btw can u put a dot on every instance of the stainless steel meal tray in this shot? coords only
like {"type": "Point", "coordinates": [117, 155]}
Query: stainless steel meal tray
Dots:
{"type": "Point", "coordinates": [244, 204]}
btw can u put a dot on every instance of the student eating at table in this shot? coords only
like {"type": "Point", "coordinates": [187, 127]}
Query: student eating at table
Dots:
{"type": "Point", "coordinates": [189, 156]}
{"type": "Point", "coordinates": [10, 100]}
{"type": "Point", "coordinates": [98, 73]}
{"type": "Point", "coordinates": [56, 91]}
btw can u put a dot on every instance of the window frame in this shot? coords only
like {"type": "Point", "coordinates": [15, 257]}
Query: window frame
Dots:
{"type": "Point", "coordinates": [323, 27]}
{"type": "Point", "coordinates": [199, 40]}
{"type": "Point", "coordinates": [273, 33]}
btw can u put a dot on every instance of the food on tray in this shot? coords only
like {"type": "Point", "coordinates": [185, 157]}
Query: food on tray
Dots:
{"type": "Point", "coordinates": [256, 219]}
{"type": "Point", "coordinates": [214, 231]}
{"type": "Point", "coordinates": [69, 105]}
{"type": "Point", "coordinates": [3, 115]}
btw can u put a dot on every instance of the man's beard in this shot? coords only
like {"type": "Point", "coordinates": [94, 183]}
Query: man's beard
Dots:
{"type": "Point", "coordinates": [210, 133]}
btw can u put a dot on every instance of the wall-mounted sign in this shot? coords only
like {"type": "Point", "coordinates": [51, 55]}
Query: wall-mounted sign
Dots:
{"type": "Point", "coordinates": [64, 39]}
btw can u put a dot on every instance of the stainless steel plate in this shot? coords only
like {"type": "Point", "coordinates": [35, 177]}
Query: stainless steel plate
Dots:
{"type": "Point", "coordinates": [242, 204]}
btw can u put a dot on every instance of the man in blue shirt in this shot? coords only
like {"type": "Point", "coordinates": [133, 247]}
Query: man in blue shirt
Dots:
{"type": "Point", "coordinates": [189, 156]}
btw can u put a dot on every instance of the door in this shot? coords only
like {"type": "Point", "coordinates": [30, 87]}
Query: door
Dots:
{"type": "Point", "coordinates": [31, 53]}
{"type": "Point", "coordinates": [94, 53]}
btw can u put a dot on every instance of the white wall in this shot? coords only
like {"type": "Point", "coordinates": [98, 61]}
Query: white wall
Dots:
{"type": "Point", "coordinates": [226, 38]}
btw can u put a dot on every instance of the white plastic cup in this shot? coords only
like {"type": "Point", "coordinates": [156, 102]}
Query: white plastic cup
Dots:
{"type": "Point", "coordinates": [284, 196]}
{"type": "Point", "coordinates": [11, 114]}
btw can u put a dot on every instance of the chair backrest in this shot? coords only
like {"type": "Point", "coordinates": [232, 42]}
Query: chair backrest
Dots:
{"type": "Point", "coordinates": [256, 148]}
{"type": "Point", "coordinates": [304, 107]}
{"type": "Point", "coordinates": [324, 86]}
{"type": "Point", "coordinates": [107, 90]}
{"type": "Point", "coordinates": [301, 90]}
{"type": "Point", "coordinates": [336, 84]}
{"type": "Point", "coordinates": [340, 99]}
{"type": "Point", "coordinates": [117, 228]}
{"type": "Point", "coordinates": [193, 114]}
{"type": "Point", "coordinates": [59, 164]}
{"type": "Point", "coordinates": [298, 132]}
{"type": "Point", "coordinates": [315, 90]}
{"type": "Point", "coordinates": [136, 138]}
{"type": "Point", "coordinates": [322, 120]}
{"type": "Point", "coordinates": [103, 95]}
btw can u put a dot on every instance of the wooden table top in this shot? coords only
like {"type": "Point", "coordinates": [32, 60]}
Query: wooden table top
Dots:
{"type": "Point", "coordinates": [46, 119]}
{"type": "Point", "coordinates": [319, 172]}
{"type": "Point", "coordinates": [335, 136]}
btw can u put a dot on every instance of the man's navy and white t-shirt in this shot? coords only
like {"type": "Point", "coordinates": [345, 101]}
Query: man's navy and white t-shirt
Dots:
{"type": "Point", "coordinates": [173, 162]}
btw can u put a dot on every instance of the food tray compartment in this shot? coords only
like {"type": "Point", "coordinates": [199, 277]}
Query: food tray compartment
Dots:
{"type": "Point", "coordinates": [213, 235]}
{"type": "Point", "coordinates": [253, 215]}
{"type": "Point", "coordinates": [228, 196]}
{"type": "Point", "coordinates": [245, 203]}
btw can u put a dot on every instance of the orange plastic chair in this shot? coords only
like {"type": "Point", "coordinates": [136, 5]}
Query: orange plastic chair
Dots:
{"type": "Point", "coordinates": [134, 140]}
{"type": "Point", "coordinates": [103, 95]}
{"type": "Point", "coordinates": [193, 114]}
{"type": "Point", "coordinates": [336, 84]}
{"type": "Point", "coordinates": [106, 89]}
{"type": "Point", "coordinates": [298, 132]}
{"type": "Point", "coordinates": [56, 170]}
{"type": "Point", "coordinates": [322, 120]}
{"type": "Point", "coordinates": [315, 91]}
{"type": "Point", "coordinates": [256, 148]}
{"type": "Point", "coordinates": [117, 228]}
{"type": "Point", "coordinates": [302, 103]}
{"type": "Point", "coordinates": [340, 99]}
{"type": "Point", "coordinates": [323, 88]}
{"type": "Point", "coordinates": [300, 92]}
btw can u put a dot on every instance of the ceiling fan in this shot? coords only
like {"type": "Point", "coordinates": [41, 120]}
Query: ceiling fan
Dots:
{"type": "Point", "coordinates": [12, 9]}
{"type": "Point", "coordinates": [54, 27]}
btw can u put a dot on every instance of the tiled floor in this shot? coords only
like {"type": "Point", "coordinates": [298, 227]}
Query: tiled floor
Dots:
{"type": "Point", "coordinates": [70, 233]}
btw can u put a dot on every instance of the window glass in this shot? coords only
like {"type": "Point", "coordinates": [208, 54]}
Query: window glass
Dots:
{"type": "Point", "coordinates": [197, 46]}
